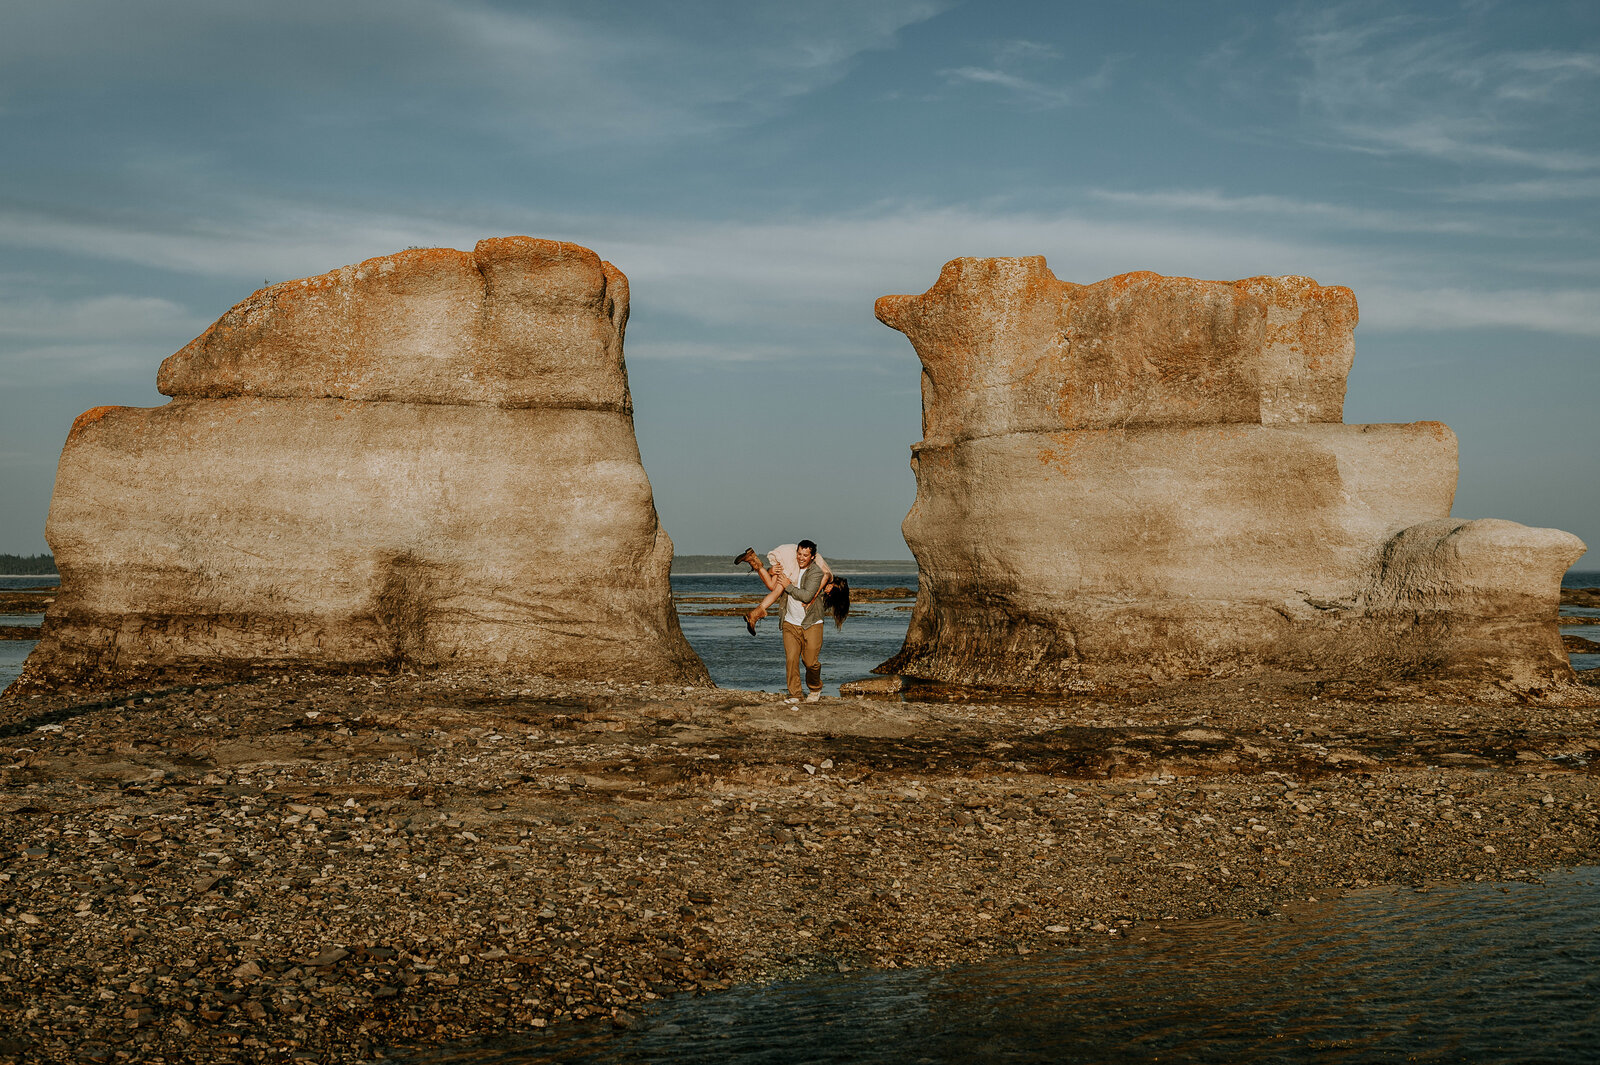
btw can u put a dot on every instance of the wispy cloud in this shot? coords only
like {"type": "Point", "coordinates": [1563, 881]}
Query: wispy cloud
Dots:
{"type": "Point", "coordinates": [251, 238]}
{"type": "Point", "coordinates": [1575, 312]}
{"type": "Point", "coordinates": [1316, 213]}
{"type": "Point", "coordinates": [1538, 190]}
{"type": "Point", "coordinates": [95, 317]}
{"type": "Point", "coordinates": [760, 290]}
{"type": "Point", "coordinates": [1021, 69]}
{"type": "Point", "coordinates": [1026, 90]}
{"type": "Point", "coordinates": [549, 71]}
{"type": "Point", "coordinates": [50, 341]}
{"type": "Point", "coordinates": [1443, 87]}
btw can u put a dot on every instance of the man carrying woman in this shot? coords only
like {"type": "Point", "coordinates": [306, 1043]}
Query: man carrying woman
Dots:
{"type": "Point", "coordinates": [804, 588]}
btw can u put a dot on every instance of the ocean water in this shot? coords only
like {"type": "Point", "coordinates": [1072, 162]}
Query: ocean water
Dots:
{"type": "Point", "coordinates": [14, 652]}
{"type": "Point", "coordinates": [1479, 973]}
{"type": "Point", "coordinates": [1582, 579]}
{"type": "Point", "coordinates": [872, 633]}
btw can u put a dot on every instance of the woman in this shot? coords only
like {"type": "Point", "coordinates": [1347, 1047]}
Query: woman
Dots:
{"type": "Point", "coordinates": [783, 560]}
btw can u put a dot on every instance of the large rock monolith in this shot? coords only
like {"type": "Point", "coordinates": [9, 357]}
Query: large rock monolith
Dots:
{"type": "Point", "coordinates": [1148, 478]}
{"type": "Point", "coordinates": [426, 459]}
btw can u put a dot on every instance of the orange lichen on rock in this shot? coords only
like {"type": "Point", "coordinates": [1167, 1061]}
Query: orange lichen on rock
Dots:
{"type": "Point", "coordinates": [1136, 349]}
{"type": "Point", "coordinates": [88, 418]}
{"type": "Point", "coordinates": [516, 321]}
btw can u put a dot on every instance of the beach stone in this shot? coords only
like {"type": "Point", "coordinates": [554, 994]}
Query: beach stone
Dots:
{"type": "Point", "coordinates": [425, 459]}
{"type": "Point", "coordinates": [1148, 478]}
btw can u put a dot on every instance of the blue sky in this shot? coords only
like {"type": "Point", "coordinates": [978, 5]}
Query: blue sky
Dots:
{"type": "Point", "coordinates": [762, 172]}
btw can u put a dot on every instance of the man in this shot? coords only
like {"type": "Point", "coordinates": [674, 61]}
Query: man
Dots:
{"type": "Point", "coordinates": [800, 612]}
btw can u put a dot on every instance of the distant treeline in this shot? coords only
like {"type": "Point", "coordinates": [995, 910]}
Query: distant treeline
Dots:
{"type": "Point", "coordinates": [27, 564]}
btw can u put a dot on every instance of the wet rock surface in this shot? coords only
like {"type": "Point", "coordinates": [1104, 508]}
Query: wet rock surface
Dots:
{"type": "Point", "coordinates": [27, 600]}
{"type": "Point", "coordinates": [332, 869]}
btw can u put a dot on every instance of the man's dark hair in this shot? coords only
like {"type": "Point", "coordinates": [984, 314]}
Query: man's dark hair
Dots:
{"type": "Point", "coordinates": [807, 544]}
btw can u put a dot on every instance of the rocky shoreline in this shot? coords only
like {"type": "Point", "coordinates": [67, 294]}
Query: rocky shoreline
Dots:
{"type": "Point", "coordinates": [341, 868]}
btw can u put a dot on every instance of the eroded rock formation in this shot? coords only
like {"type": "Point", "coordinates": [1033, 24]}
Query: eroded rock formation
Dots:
{"type": "Point", "coordinates": [1149, 478]}
{"type": "Point", "coordinates": [424, 459]}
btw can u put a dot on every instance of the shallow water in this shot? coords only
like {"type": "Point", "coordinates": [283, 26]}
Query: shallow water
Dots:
{"type": "Point", "coordinates": [872, 633]}
{"type": "Point", "coordinates": [14, 652]}
{"type": "Point", "coordinates": [1582, 579]}
{"type": "Point", "coordinates": [1470, 973]}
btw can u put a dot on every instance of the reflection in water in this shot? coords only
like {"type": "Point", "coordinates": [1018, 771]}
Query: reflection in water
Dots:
{"type": "Point", "coordinates": [1482, 973]}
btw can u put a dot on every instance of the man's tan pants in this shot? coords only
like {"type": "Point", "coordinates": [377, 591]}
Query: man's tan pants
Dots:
{"type": "Point", "coordinates": [802, 644]}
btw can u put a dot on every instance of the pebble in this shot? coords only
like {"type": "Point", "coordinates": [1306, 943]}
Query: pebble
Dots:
{"type": "Point", "coordinates": [186, 875]}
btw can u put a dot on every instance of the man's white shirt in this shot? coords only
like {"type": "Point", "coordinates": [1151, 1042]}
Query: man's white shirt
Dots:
{"type": "Point", "coordinates": [795, 613]}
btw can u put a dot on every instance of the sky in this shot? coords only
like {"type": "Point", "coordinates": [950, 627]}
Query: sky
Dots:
{"type": "Point", "coordinates": [763, 171]}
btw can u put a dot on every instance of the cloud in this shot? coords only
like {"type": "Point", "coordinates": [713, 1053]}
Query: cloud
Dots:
{"type": "Point", "coordinates": [264, 238]}
{"type": "Point", "coordinates": [96, 317]}
{"type": "Point", "coordinates": [579, 73]}
{"type": "Point", "coordinates": [1536, 190]}
{"type": "Point", "coordinates": [800, 278]}
{"type": "Point", "coordinates": [1008, 60]}
{"type": "Point", "coordinates": [1575, 312]}
{"type": "Point", "coordinates": [756, 290]}
{"type": "Point", "coordinates": [1443, 88]}
{"type": "Point", "coordinates": [1028, 91]}
{"type": "Point", "coordinates": [50, 341]}
{"type": "Point", "coordinates": [1311, 211]}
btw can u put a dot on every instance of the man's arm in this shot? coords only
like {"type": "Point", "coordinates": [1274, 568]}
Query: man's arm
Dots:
{"type": "Point", "coordinates": [809, 586]}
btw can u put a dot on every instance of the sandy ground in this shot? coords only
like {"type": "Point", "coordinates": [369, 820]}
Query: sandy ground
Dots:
{"type": "Point", "coordinates": [329, 869]}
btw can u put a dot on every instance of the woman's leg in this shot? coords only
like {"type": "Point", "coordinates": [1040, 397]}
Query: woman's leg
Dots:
{"type": "Point", "coordinates": [760, 612]}
{"type": "Point", "coordinates": [772, 597]}
{"type": "Point", "coordinates": [774, 579]}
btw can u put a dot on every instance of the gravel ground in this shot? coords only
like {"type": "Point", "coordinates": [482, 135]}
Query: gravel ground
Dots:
{"type": "Point", "coordinates": [332, 869]}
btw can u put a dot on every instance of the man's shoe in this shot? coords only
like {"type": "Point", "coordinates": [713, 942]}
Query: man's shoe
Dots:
{"type": "Point", "coordinates": [814, 697]}
{"type": "Point", "coordinates": [748, 556]}
{"type": "Point", "coordinates": [791, 700]}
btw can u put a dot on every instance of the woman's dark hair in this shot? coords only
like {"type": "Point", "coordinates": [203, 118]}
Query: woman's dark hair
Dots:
{"type": "Point", "coordinates": [837, 599]}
